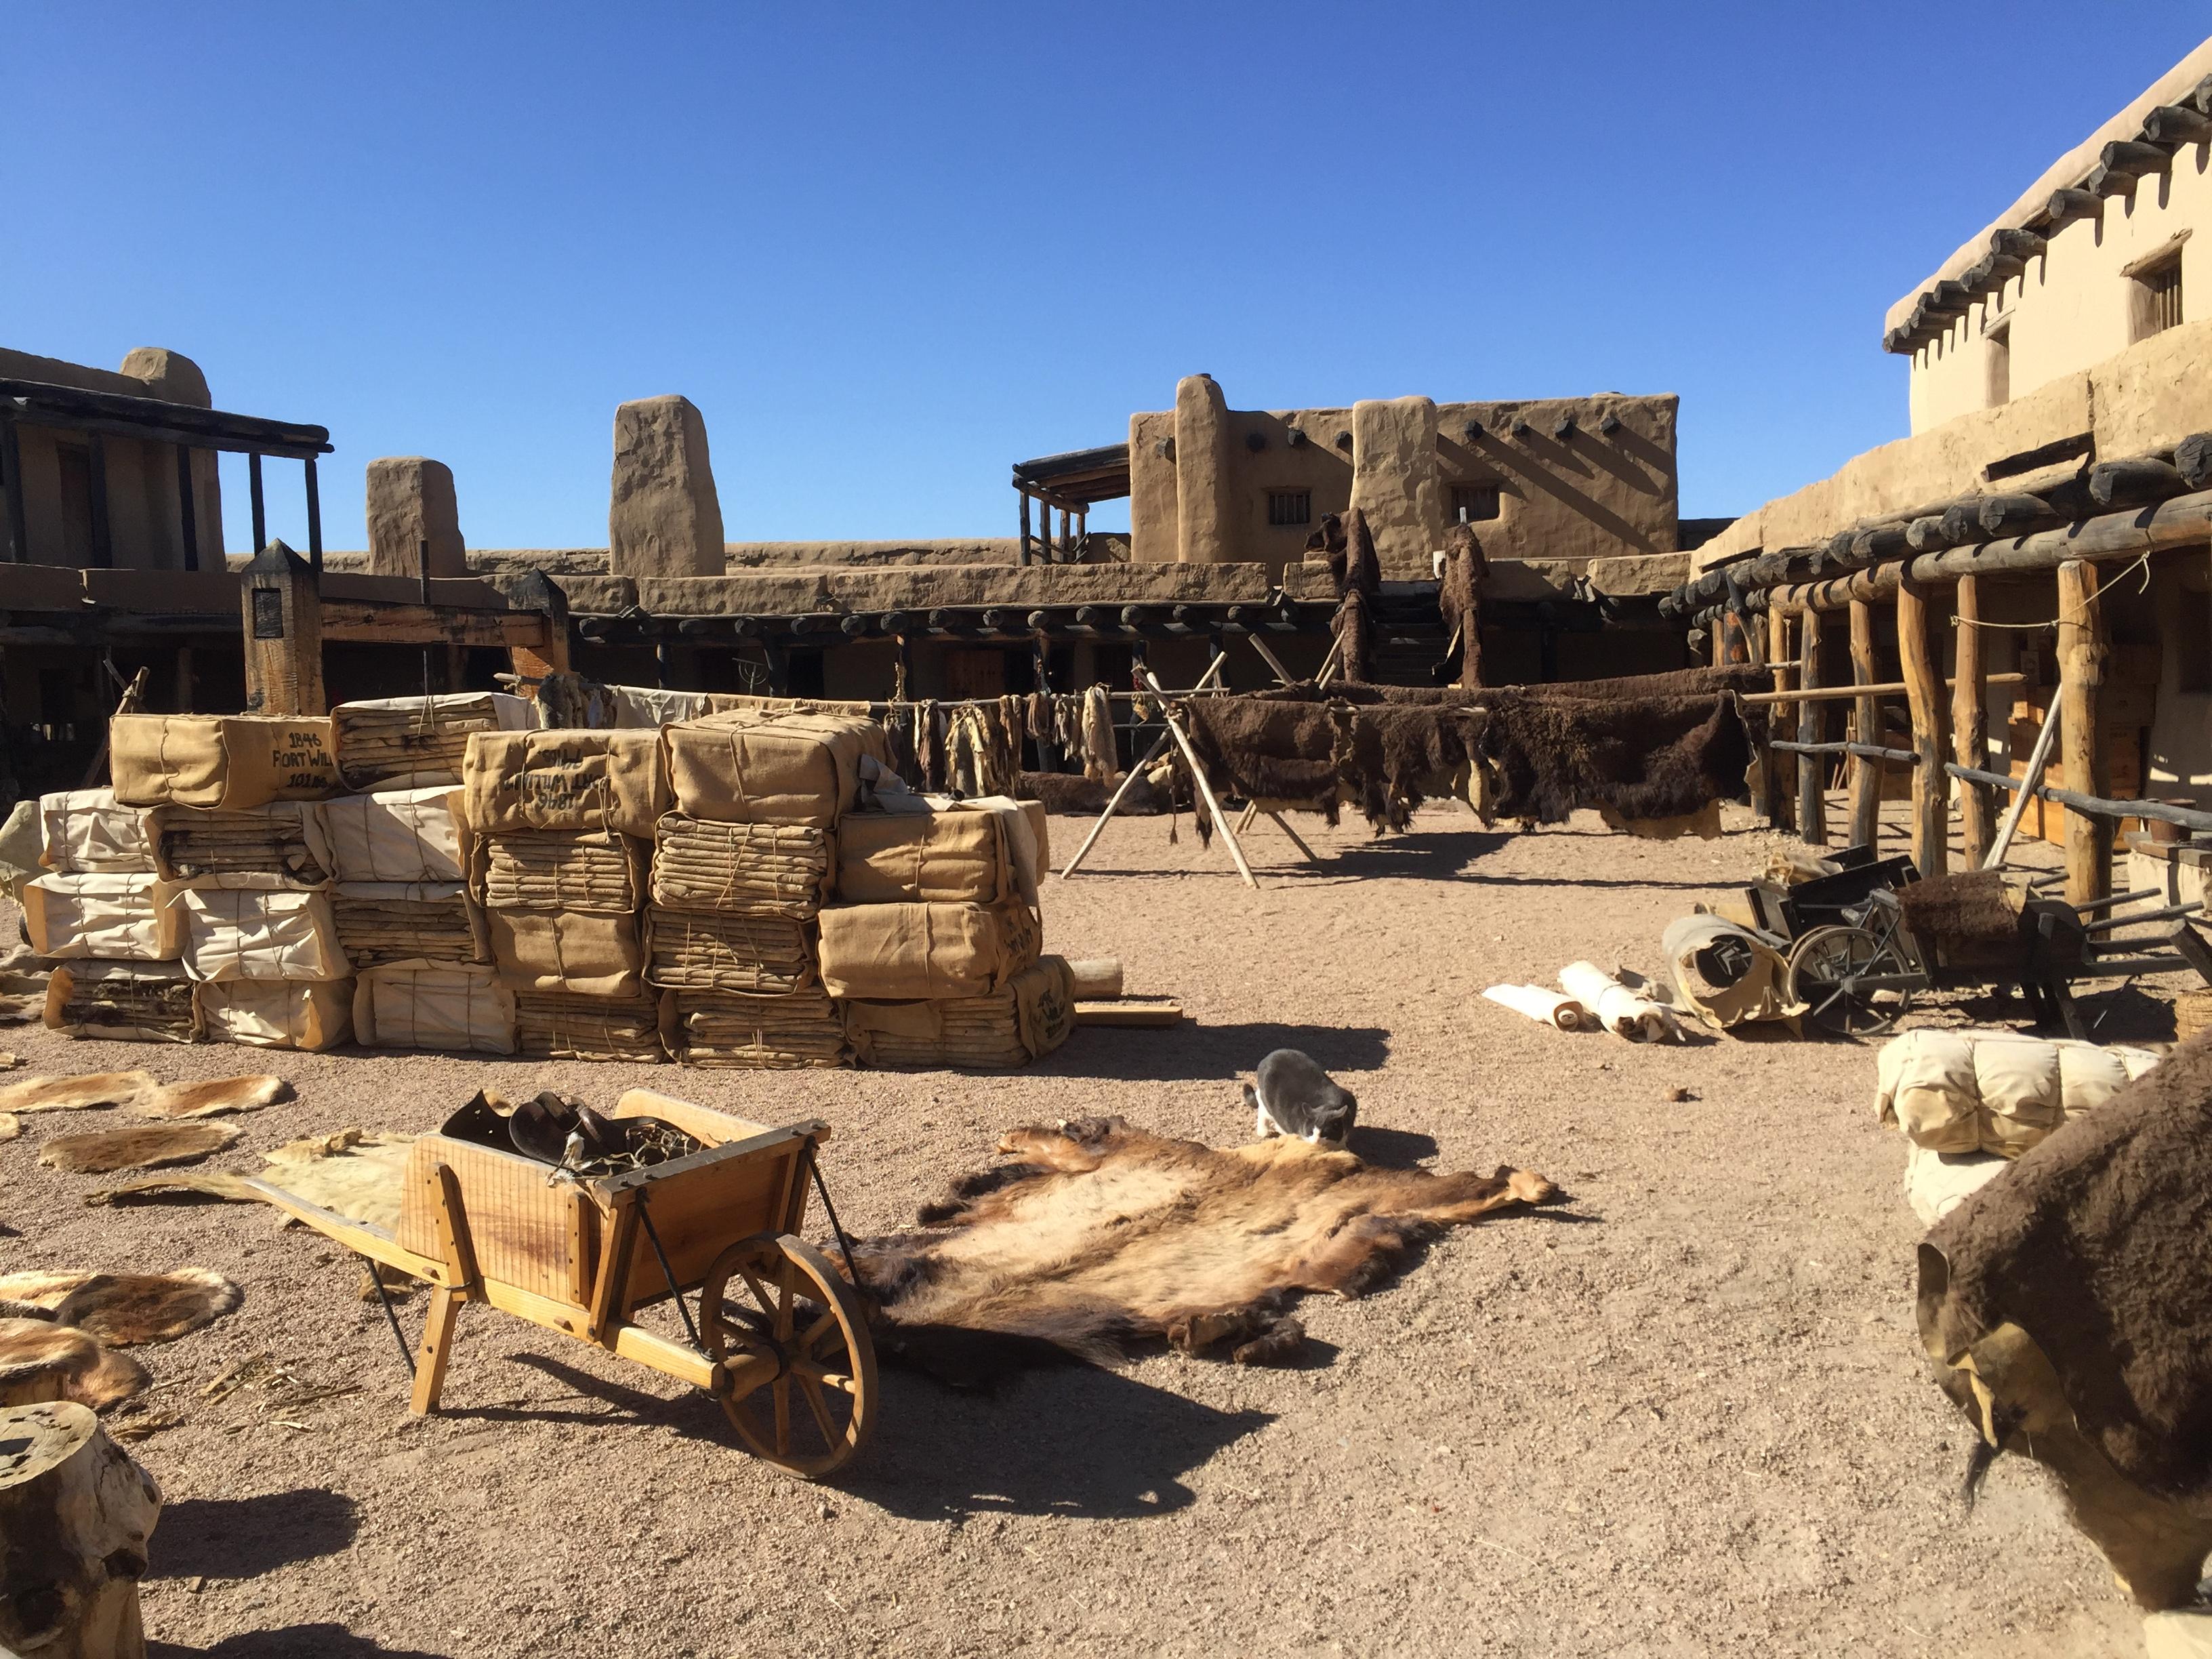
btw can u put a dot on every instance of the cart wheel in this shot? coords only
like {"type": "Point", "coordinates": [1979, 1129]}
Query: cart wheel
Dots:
{"type": "Point", "coordinates": [1821, 966]}
{"type": "Point", "coordinates": [801, 1388]}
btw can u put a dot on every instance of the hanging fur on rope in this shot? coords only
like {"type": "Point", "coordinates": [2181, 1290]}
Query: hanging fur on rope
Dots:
{"type": "Point", "coordinates": [1328, 540]}
{"type": "Point", "coordinates": [1101, 1238]}
{"type": "Point", "coordinates": [1355, 635]}
{"type": "Point", "coordinates": [1363, 570]}
{"type": "Point", "coordinates": [1657, 758]}
{"type": "Point", "coordinates": [1459, 598]}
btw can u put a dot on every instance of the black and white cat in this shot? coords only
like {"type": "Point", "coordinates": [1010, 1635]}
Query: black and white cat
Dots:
{"type": "Point", "coordinates": [1295, 1097]}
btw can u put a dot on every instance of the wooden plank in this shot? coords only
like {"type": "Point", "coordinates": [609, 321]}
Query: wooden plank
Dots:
{"type": "Point", "coordinates": [1127, 1013]}
{"type": "Point", "coordinates": [2083, 656]}
{"type": "Point", "coordinates": [367, 623]}
{"type": "Point", "coordinates": [1866, 718]}
{"type": "Point", "coordinates": [1812, 771]}
{"type": "Point", "coordinates": [1923, 682]}
{"type": "Point", "coordinates": [1970, 723]}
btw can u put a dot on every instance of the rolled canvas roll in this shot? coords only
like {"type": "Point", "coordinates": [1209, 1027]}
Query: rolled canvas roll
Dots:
{"type": "Point", "coordinates": [1546, 1007]}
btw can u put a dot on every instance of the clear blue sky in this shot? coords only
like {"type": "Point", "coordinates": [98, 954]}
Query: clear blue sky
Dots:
{"type": "Point", "coordinates": [889, 250]}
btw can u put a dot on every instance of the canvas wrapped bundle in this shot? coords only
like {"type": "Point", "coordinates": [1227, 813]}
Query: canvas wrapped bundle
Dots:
{"type": "Point", "coordinates": [1995, 1091]}
{"type": "Point", "coordinates": [698, 864]}
{"type": "Point", "coordinates": [409, 743]}
{"type": "Point", "coordinates": [122, 1001]}
{"type": "Point", "coordinates": [563, 870]}
{"type": "Point", "coordinates": [397, 836]}
{"type": "Point", "coordinates": [581, 953]}
{"type": "Point", "coordinates": [430, 1004]}
{"type": "Point", "coordinates": [763, 1033]}
{"type": "Point", "coordinates": [766, 766]}
{"type": "Point", "coordinates": [230, 761]}
{"type": "Point", "coordinates": [552, 1025]}
{"type": "Point", "coordinates": [265, 932]}
{"type": "Point", "coordinates": [1725, 973]}
{"type": "Point", "coordinates": [1025, 1020]}
{"type": "Point", "coordinates": [278, 1013]}
{"type": "Point", "coordinates": [983, 851]}
{"type": "Point", "coordinates": [213, 845]}
{"type": "Point", "coordinates": [87, 832]}
{"type": "Point", "coordinates": [746, 953]}
{"type": "Point", "coordinates": [381, 923]}
{"type": "Point", "coordinates": [612, 781]}
{"type": "Point", "coordinates": [909, 953]}
{"type": "Point", "coordinates": [113, 916]}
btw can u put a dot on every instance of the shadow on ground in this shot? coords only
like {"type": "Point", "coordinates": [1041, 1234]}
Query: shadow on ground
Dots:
{"type": "Point", "coordinates": [245, 1537]}
{"type": "Point", "coordinates": [299, 1642]}
{"type": "Point", "coordinates": [1192, 1052]}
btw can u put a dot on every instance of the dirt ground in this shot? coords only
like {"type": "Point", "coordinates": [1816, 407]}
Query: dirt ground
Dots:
{"type": "Point", "coordinates": [1683, 1413]}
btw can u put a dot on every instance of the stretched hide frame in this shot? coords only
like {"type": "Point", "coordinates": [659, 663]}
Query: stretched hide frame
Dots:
{"type": "Point", "coordinates": [1101, 1236]}
{"type": "Point", "coordinates": [137, 1147]}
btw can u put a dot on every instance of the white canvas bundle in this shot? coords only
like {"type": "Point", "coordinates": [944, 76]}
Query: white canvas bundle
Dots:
{"type": "Point", "coordinates": [277, 1014]}
{"type": "Point", "coordinates": [116, 916]}
{"type": "Point", "coordinates": [267, 933]}
{"type": "Point", "coordinates": [1995, 1091]}
{"type": "Point", "coordinates": [427, 1005]}
{"type": "Point", "coordinates": [397, 836]}
{"type": "Point", "coordinates": [1619, 1009]}
{"type": "Point", "coordinates": [85, 830]}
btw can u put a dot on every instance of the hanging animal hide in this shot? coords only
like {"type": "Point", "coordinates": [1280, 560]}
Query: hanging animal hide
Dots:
{"type": "Point", "coordinates": [1658, 757]}
{"type": "Point", "coordinates": [1459, 598]}
{"type": "Point", "coordinates": [126, 1309]}
{"type": "Point", "coordinates": [74, 1094]}
{"type": "Point", "coordinates": [212, 1097]}
{"type": "Point", "coordinates": [571, 701]}
{"type": "Point", "coordinates": [1362, 571]}
{"type": "Point", "coordinates": [39, 1358]}
{"type": "Point", "coordinates": [137, 1147]}
{"type": "Point", "coordinates": [1355, 635]}
{"type": "Point", "coordinates": [1100, 1237]}
{"type": "Point", "coordinates": [1385, 758]}
{"type": "Point", "coordinates": [1328, 540]}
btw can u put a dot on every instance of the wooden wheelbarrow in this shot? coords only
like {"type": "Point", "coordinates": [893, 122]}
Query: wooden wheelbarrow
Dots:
{"type": "Point", "coordinates": [781, 1340]}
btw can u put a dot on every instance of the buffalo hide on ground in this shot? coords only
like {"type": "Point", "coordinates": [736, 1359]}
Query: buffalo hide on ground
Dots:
{"type": "Point", "coordinates": [1099, 1237]}
{"type": "Point", "coordinates": [125, 1309]}
{"type": "Point", "coordinates": [135, 1146]}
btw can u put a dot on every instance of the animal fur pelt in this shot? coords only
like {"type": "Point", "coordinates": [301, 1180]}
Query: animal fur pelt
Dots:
{"type": "Point", "coordinates": [351, 1172]}
{"type": "Point", "coordinates": [1328, 540]}
{"type": "Point", "coordinates": [125, 1309]}
{"type": "Point", "coordinates": [31, 1351]}
{"type": "Point", "coordinates": [572, 700]}
{"type": "Point", "coordinates": [1100, 1237]}
{"type": "Point", "coordinates": [72, 1094]}
{"type": "Point", "coordinates": [212, 1097]}
{"type": "Point", "coordinates": [1459, 598]}
{"type": "Point", "coordinates": [2067, 1308]}
{"type": "Point", "coordinates": [1970, 918]}
{"type": "Point", "coordinates": [137, 1147]}
{"type": "Point", "coordinates": [1384, 758]}
{"type": "Point", "coordinates": [1067, 792]}
{"type": "Point", "coordinates": [1659, 757]}
{"type": "Point", "coordinates": [1362, 571]}
{"type": "Point", "coordinates": [1355, 635]}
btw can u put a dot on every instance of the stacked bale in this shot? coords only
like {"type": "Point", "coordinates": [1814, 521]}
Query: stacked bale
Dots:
{"type": "Point", "coordinates": [935, 943]}
{"type": "Point", "coordinates": [741, 869]}
{"type": "Point", "coordinates": [416, 743]}
{"type": "Point", "coordinates": [101, 913]}
{"type": "Point", "coordinates": [563, 824]}
{"type": "Point", "coordinates": [232, 823]}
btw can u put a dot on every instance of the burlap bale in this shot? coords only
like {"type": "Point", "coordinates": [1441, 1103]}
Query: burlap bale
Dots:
{"type": "Point", "coordinates": [1995, 1091]}
{"type": "Point", "coordinates": [122, 918]}
{"type": "Point", "coordinates": [216, 846]}
{"type": "Point", "coordinates": [781, 868]}
{"type": "Point", "coordinates": [565, 780]}
{"type": "Point", "coordinates": [397, 836]}
{"type": "Point", "coordinates": [278, 1014]}
{"type": "Point", "coordinates": [549, 1025]}
{"type": "Point", "coordinates": [1024, 1021]}
{"type": "Point", "coordinates": [233, 761]}
{"type": "Point", "coordinates": [85, 832]}
{"type": "Point", "coordinates": [760, 1033]}
{"type": "Point", "coordinates": [580, 953]}
{"type": "Point", "coordinates": [760, 766]}
{"type": "Point", "coordinates": [558, 870]}
{"type": "Point", "coordinates": [428, 1005]}
{"type": "Point", "coordinates": [269, 932]}
{"type": "Point", "coordinates": [739, 951]}
{"type": "Point", "coordinates": [907, 952]}
{"type": "Point", "coordinates": [978, 851]}
{"type": "Point", "coordinates": [122, 1001]}
{"type": "Point", "coordinates": [381, 923]}
{"type": "Point", "coordinates": [416, 743]}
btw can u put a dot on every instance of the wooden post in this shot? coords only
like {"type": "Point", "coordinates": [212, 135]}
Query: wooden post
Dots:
{"type": "Point", "coordinates": [2081, 655]}
{"type": "Point", "coordinates": [260, 514]}
{"type": "Point", "coordinates": [103, 536]}
{"type": "Point", "coordinates": [1812, 769]}
{"type": "Point", "coordinates": [1781, 797]}
{"type": "Point", "coordinates": [188, 512]}
{"type": "Point", "coordinates": [1023, 496]}
{"type": "Point", "coordinates": [315, 523]}
{"type": "Point", "coordinates": [1970, 724]}
{"type": "Point", "coordinates": [1197, 779]}
{"type": "Point", "coordinates": [186, 688]}
{"type": "Point", "coordinates": [536, 591]}
{"type": "Point", "coordinates": [1924, 696]}
{"type": "Point", "coordinates": [1129, 779]}
{"type": "Point", "coordinates": [1866, 724]}
{"type": "Point", "coordinates": [11, 480]}
{"type": "Point", "coordinates": [283, 620]}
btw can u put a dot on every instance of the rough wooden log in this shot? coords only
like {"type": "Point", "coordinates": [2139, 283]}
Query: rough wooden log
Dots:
{"type": "Point", "coordinates": [2082, 661]}
{"type": "Point", "coordinates": [2021, 244]}
{"type": "Point", "coordinates": [2114, 485]}
{"type": "Point", "coordinates": [1097, 979]}
{"type": "Point", "coordinates": [2067, 205]}
{"type": "Point", "coordinates": [1970, 721]}
{"type": "Point", "coordinates": [2172, 125]}
{"type": "Point", "coordinates": [76, 1514]}
{"type": "Point", "coordinates": [2104, 181]}
{"type": "Point", "coordinates": [1779, 777]}
{"type": "Point", "coordinates": [1866, 730]}
{"type": "Point", "coordinates": [1962, 521]}
{"type": "Point", "coordinates": [1886, 541]}
{"type": "Point", "coordinates": [2016, 516]}
{"type": "Point", "coordinates": [1812, 773]}
{"type": "Point", "coordinates": [2192, 458]}
{"type": "Point", "coordinates": [2133, 157]}
{"type": "Point", "coordinates": [1923, 694]}
{"type": "Point", "coordinates": [1925, 534]}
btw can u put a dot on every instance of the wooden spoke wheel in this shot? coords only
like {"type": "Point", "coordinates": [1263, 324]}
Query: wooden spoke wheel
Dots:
{"type": "Point", "coordinates": [1823, 967]}
{"type": "Point", "coordinates": [801, 1369]}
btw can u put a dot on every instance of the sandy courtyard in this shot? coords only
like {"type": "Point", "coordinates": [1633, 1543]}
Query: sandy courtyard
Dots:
{"type": "Point", "coordinates": [1683, 1413]}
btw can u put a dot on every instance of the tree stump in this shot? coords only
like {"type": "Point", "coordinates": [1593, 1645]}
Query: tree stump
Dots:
{"type": "Point", "coordinates": [75, 1515]}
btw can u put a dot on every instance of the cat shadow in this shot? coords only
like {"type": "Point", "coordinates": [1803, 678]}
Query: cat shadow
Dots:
{"type": "Point", "coordinates": [1391, 1149]}
{"type": "Point", "coordinates": [1191, 1052]}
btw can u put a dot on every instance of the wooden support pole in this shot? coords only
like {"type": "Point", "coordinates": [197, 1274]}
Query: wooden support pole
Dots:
{"type": "Point", "coordinates": [1779, 770]}
{"type": "Point", "coordinates": [1970, 723]}
{"type": "Point", "coordinates": [1023, 496]}
{"type": "Point", "coordinates": [1924, 693]}
{"type": "Point", "coordinates": [2082, 659]}
{"type": "Point", "coordinates": [1866, 718]}
{"type": "Point", "coordinates": [283, 618]}
{"type": "Point", "coordinates": [103, 538]}
{"type": "Point", "coordinates": [1197, 779]}
{"type": "Point", "coordinates": [1812, 769]}
{"type": "Point", "coordinates": [11, 481]}
{"type": "Point", "coordinates": [187, 508]}
{"type": "Point", "coordinates": [315, 521]}
{"type": "Point", "coordinates": [536, 591]}
{"type": "Point", "coordinates": [1267, 655]}
{"type": "Point", "coordinates": [260, 512]}
{"type": "Point", "coordinates": [1129, 779]}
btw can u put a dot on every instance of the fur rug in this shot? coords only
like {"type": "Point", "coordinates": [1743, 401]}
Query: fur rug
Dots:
{"type": "Point", "coordinates": [135, 1146]}
{"type": "Point", "coordinates": [355, 1174]}
{"type": "Point", "coordinates": [1099, 1237]}
{"type": "Point", "coordinates": [123, 1310]}
{"type": "Point", "coordinates": [1385, 758]}
{"type": "Point", "coordinates": [77, 1094]}
{"type": "Point", "coordinates": [90, 1374]}
{"type": "Point", "coordinates": [213, 1097]}
{"type": "Point", "coordinates": [1072, 794]}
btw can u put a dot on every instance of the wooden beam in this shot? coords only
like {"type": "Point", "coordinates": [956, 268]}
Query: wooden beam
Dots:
{"type": "Point", "coordinates": [1811, 772]}
{"type": "Point", "coordinates": [1780, 772]}
{"type": "Point", "coordinates": [187, 508]}
{"type": "Point", "coordinates": [2081, 660]}
{"type": "Point", "coordinates": [369, 622]}
{"type": "Point", "coordinates": [282, 617]}
{"type": "Point", "coordinates": [2117, 485]}
{"type": "Point", "coordinates": [1847, 693]}
{"type": "Point", "coordinates": [1924, 693]}
{"type": "Point", "coordinates": [537, 592]}
{"type": "Point", "coordinates": [1970, 722]}
{"type": "Point", "coordinates": [1866, 717]}
{"type": "Point", "coordinates": [103, 543]}
{"type": "Point", "coordinates": [260, 513]}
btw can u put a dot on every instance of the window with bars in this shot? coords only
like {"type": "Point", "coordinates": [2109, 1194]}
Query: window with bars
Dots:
{"type": "Point", "coordinates": [1289, 507]}
{"type": "Point", "coordinates": [1473, 503]}
{"type": "Point", "coordinates": [2158, 298]}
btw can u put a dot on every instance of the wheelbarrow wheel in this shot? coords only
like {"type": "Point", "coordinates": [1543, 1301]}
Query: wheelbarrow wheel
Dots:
{"type": "Point", "coordinates": [800, 1369]}
{"type": "Point", "coordinates": [1822, 967]}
